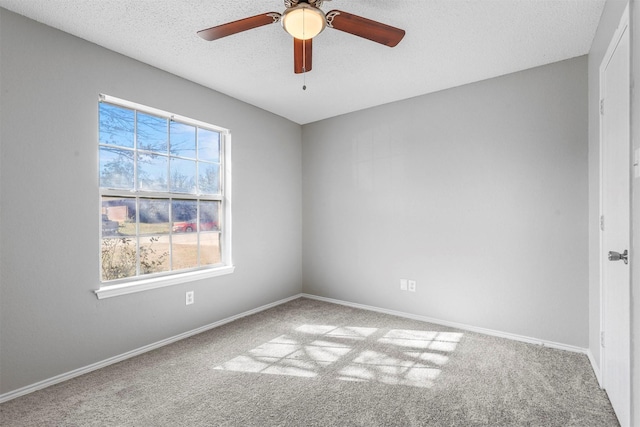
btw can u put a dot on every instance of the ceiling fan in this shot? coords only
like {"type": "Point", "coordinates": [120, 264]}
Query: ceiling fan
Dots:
{"type": "Point", "coordinates": [304, 20]}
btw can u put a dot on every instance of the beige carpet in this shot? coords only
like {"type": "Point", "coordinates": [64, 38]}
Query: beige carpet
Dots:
{"type": "Point", "coordinates": [311, 363]}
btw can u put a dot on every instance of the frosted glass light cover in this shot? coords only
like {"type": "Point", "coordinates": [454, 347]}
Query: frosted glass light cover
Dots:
{"type": "Point", "coordinates": [303, 22]}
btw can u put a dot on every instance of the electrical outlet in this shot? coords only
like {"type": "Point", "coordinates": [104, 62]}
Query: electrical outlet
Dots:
{"type": "Point", "coordinates": [403, 284]}
{"type": "Point", "coordinates": [189, 298]}
{"type": "Point", "coordinates": [412, 285]}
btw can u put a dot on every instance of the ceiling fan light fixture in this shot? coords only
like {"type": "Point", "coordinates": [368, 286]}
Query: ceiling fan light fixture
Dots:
{"type": "Point", "coordinates": [303, 21]}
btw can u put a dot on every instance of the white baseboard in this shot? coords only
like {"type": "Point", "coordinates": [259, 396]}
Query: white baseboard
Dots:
{"type": "Point", "coordinates": [110, 361]}
{"type": "Point", "coordinates": [462, 326]}
{"type": "Point", "coordinates": [595, 367]}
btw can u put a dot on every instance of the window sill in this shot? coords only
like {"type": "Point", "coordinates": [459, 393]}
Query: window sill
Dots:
{"type": "Point", "coordinates": [160, 282]}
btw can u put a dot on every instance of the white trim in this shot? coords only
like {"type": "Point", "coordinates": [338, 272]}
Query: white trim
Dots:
{"type": "Point", "coordinates": [160, 113]}
{"type": "Point", "coordinates": [138, 283]}
{"type": "Point", "coordinates": [115, 359]}
{"type": "Point", "coordinates": [490, 332]}
{"type": "Point", "coordinates": [227, 252]}
{"type": "Point", "coordinates": [161, 282]}
{"type": "Point", "coordinates": [595, 367]}
{"type": "Point", "coordinates": [601, 221]}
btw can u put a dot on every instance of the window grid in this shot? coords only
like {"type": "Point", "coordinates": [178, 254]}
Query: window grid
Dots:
{"type": "Point", "coordinates": [170, 195]}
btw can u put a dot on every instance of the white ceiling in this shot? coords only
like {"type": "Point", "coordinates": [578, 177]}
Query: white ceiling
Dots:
{"type": "Point", "coordinates": [448, 43]}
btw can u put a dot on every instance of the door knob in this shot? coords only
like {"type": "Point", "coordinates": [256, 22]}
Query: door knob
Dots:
{"type": "Point", "coordinates": [615, 256]}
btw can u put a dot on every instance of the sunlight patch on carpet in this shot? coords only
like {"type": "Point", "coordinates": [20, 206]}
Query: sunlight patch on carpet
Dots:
{"type": "Point", "coordinates": [397, 356]}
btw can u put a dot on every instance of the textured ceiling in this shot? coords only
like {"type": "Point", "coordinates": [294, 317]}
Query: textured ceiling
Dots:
{"type": "Point", "coordinates": [448, 43]}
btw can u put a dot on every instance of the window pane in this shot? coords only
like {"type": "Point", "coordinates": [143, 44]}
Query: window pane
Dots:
{"type": "Point", "coordinates": [154, 216]}
{"type": "Point", "coordinates": [208, 145]}
{"type": "Point", "coordinates": [154, 254]}
{"type": "Point", "coordinates": [116, 125]}
{"type": "Point", "coordinates": [156, 172]}
{"type": "Point", "coordinates": [209, 214]}
{"type": "Point", "coordinates": [183, 176]}
{"type": "Point", "coordinates": [184, 251]}
{"type": "Point", "coordinates": [152, 172]}
{"type": "Point", "coordinates": [116, 168]}
{"type": "Point", "coordinates": [184, 214]}
{"type": "Point", "coordinates": [118, 258]}
{"type": "Point", "coordinates": [118, 216]}
{"type": "Point", "coordinates": [210, 248]}
{"type": "Point", "coordinates": [152, 133]}
{"type": "Point", "coordinates": [183, 140]}
{"type": "Point", "coordinates": [209, 178]}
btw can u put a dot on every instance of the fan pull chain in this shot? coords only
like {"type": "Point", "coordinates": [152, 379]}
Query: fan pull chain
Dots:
{"type": "Point", "coordinates": [304, 56]}
{"type": "Point", "coordinates": [304, 66]}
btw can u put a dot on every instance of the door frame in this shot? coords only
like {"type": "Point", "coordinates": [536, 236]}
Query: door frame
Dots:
{"type": "Point", "coordinates": [613, 44]}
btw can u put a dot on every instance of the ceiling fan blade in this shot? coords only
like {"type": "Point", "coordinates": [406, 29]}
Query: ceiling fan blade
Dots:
{"type": "Point", "coordinates": [365, 28]}
{"type": "Point", "coordinates": [301, 55]}
{"type": "Point", "coordinates": [238, 26]}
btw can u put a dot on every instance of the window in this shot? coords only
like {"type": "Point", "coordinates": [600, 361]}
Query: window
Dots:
{"type": "Point", "coordinates": [164, 197]}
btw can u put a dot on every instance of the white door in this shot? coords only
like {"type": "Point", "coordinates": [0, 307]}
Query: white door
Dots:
{"type": "Point", "coordinates": [615, 237]}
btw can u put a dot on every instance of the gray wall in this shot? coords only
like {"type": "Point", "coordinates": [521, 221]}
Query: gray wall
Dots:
{"type": "Point", "coordinates": [479, 193]}
{"type": "Point", "coordinates": [51, 322]}
{"type": "Point", "coordinates": [608, 23]}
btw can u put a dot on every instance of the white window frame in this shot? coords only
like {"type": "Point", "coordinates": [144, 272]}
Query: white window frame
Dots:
{"type": "Point", "coordinates": [142, 283]}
